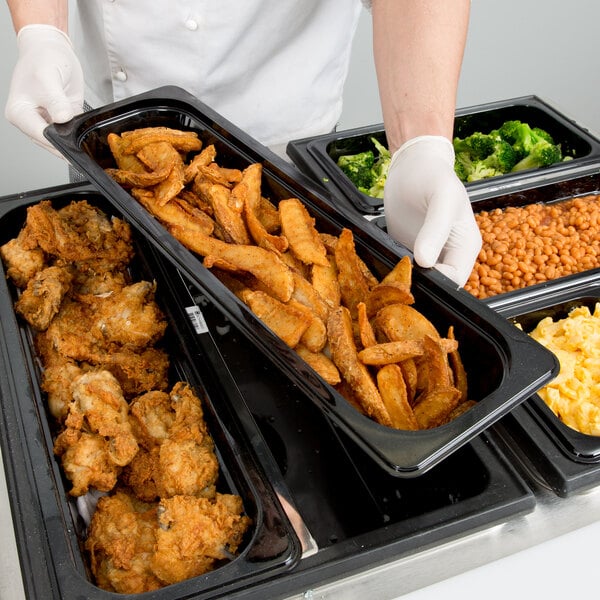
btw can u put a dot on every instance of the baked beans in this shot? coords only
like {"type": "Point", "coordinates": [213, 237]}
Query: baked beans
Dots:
{"type": "Point", "coordinates": [524, 245]}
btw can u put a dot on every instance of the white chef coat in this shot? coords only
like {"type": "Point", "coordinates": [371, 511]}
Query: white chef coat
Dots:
{"type": "Point", "coordinates": [275, 68]}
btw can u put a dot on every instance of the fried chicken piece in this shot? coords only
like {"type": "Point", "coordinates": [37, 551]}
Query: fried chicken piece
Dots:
{"type": "Point", "coordinates": [56, 383]}
{"type": "Point", "coordinates": [177, 455]}
{"type": "Point", "coordinates": [22, 258]}
{"type": "Point", "coordinates": [152, 417]}
{"type": "Point", "coordinates": [120, 544]}
{"type": "Point", "coordinates": [142, 475]}
{"type": "Point", "coordinates": [86, 461]}
{"type": "Point", "coordinates": [187, 467]}
{"type": "Point", "coordinates": [71, 333]}
{"type": "Point", "coordinates": [136, 372]}
{"type": "Point", "coordinates": [126, 320]}
{"type": "Point", "coordinates": [130, 317]}
{"type": "Point", "coordinates": [97, 439]}
{"type": "Point", "coordinates": [88, 281]}
{"type": "Point", "coordinates": [80, 232]}
{"type": "Point", "coordinates": [195, 533]}
{"type": "Point", "coordinates": [41, 299]}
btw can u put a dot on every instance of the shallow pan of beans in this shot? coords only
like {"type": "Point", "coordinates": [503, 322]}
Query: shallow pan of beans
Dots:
{"type": "Point", "coordinates": [535, 238]}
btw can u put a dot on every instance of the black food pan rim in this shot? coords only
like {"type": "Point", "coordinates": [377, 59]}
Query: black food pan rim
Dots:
{"type": "Point", "coordinates": [317, 149]}
{"type": "Point", "coordinates": [271, 547]}
{"type": "Point", "coordinates": [526, 365]}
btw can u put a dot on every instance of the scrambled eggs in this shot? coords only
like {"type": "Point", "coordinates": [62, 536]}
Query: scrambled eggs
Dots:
{"type": "Point", "coordinates": [574, 395]}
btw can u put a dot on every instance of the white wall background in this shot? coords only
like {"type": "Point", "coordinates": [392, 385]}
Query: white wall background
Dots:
{"type": "Point", "coordinates": [515, 48]}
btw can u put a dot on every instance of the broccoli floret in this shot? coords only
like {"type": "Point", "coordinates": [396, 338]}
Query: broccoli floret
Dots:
{"type": "Point", "coordinates": [367, 170]}
{"type": "Point", "coordinates": [463, 165]}
{"type": "Point", "coordinates": [514, 146]}
{"type": "Point", "coordinates": [542, 133]}
{"type": "Point", "coordinates": [480, 155]}
{"type": "Point", "coordinates": [509, 131]}
{"type": "Point", "coordinates": [358, 168]}
{"type": "Point", "coordinates": [482, 171]}
{"type": "Point", "coordinates": [542, 154]}
{"type": "Point", "coordinates": [502, 159]}
{"type": "Point", "coordinates": [478, 145]}
{"type": "Point", "coordinates": [379, 170]}
{"type": "Point", "coordinates": [384, 153]}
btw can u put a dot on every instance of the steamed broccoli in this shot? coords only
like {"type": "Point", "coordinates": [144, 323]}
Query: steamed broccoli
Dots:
{"type": "Point", "coordinates": [524, 139]}
{"type": "Point", "coordinates": [463, 165]}
{"type": "Point", "coordinates": [480, 156]}
{"type": "Point", "coordinates": [514, 146]}
{"type": "Point", "coordinates": [367, 170]}
{"type": "Point", "coordinates": [478, 145]}
{"type": "Point", "coordinates": [357, 168]}
{"type": "Point", "coordinates": [542, 154]}
{"type": "Point", "coordinates": [502, 158]}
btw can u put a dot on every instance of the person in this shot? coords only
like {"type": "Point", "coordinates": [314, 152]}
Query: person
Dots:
{"type": "Point", "coordinates": [276, 69]}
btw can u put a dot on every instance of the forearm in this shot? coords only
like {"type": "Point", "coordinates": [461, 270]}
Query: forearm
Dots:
{"type": "Point", "coordinates": [418, 48]}
{"type": "Point", "coordinates": [49, 12]}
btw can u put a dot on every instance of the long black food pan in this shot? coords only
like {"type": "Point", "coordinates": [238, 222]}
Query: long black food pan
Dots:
{"type": "Point", "coordinates": [566, 458]}
{"type": "Point", "coordinates": [504, 365]}
{"type": "Point", "coordinates": [49, 529]}
{"type": "Point", "coordinates": [389, 517]}
{"type": "Point", "coordinates": [317, 156]}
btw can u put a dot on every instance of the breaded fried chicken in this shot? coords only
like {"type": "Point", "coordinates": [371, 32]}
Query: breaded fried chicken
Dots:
{"type": "Point", "coordinates": [177, 454]}
{"type": "Point", "coordinates": [80, 232]}
{"type": "Point", "coordinates": [120, 543]}
{"type": "Point", "coordinates": [99, 410]}
{"type": "Point", "coordinates": [43, 296]}
{"type": "Point", "coordinates": [22, 259]}
{"type": "Point", "coordinates": [194, 533]}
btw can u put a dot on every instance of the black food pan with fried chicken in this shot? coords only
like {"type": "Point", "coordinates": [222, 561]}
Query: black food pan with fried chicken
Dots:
{"type": "Point", "coordinates": [115, 446]}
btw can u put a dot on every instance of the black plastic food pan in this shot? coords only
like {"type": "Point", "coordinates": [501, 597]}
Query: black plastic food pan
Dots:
{"type": "Point", "coordinates": [566, 458]}
{"type": "Point", "coordinates": [389, 517]}
{"type": "Point", "coordinates": [548, 193]}
{"type": "Point", "coordinates": [504, 365]}
{"type": "Point", "coordinates": [49, 529]}
{"type": "Point", "coordinates": [317, 156]}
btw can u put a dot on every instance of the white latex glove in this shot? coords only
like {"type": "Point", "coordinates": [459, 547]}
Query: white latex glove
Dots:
{"type": "Point", "coordinates": [47, 82]}
{"type": "Point", "coordinates": [427, 208]}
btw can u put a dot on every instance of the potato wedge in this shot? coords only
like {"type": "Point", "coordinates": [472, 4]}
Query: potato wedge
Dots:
{"type": "Point", "coordinates": [434, 407]}
{"type": "Point", "coordinates": [249, 193]}
{"type": "Point", "coordinates": [263, 264]}
{"type": "Point", "coordinates": [322, 364]}
{"type": "Point", "coordinates": [395, 397]}
{"type": "Point", "coordinates": [285, 320]}
{"type": "Point", "coordinates": [345, 358]}
{"type": "Point", "coordinates": [388, 353]}
{"type": "Point", "coordinates": [325, 281]}
{"type": "Point", "coordinates": [183, 141]}
{"type": "Point", "coordinates": [232, 224]}
{"type": "Point", "coordinates": [398, 322]}
{"type": "Point", "coordinates": [354, 286]}
{"type": "Point", "coordinates": [161, 156]}
{"type": "Point", "coordinates": [298, 227]}
{"type": "Point", "coordinates": [365, 330]}
{"type": "Point", "coordinates": [457, 367]}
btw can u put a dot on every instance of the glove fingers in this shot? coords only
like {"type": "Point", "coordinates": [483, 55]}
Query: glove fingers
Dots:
{"type": "Point", "coordinates": [435, 231]}
{"type": "Point", "coordinates": [32, 123]}
{"type": "Point", "coordinates": [460, 253]}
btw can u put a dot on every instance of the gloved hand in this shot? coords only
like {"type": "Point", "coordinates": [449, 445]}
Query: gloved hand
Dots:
{"type": "Point", "coordinates": [427, 208]}
{"type": "Point", "coordinates": [46, 84]}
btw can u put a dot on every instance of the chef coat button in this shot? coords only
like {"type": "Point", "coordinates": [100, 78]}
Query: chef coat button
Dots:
{"type": "Point", "coordinates": [191, 24]}
{"type": "Point", "coordinates": [121, 75]}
